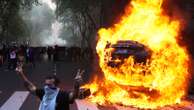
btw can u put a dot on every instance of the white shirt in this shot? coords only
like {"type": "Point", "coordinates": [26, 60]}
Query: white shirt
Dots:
{"type": "Point", "coordinates": [13, 55]}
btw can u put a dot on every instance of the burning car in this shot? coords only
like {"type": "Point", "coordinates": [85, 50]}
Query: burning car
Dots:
{"type": "Point", "coordinates": [127, 80]}
{"type": "Point", "coordinates": [117, 53]}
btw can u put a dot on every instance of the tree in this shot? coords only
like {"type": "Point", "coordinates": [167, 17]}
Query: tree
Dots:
{"type": "Point", "coordinates": [83, 17]}
{"type": "Point", "coordinates": [90, 15]}
{"type": "Point", "coordinates": [10, 18]}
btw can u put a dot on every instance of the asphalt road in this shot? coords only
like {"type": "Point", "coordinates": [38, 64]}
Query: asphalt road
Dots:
{"type": "Point", "coordinates": [66, 70]}
{"type": "Point", "coordinates": [10, 83]}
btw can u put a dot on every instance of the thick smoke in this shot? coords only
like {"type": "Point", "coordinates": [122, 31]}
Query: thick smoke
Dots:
{"type": "Point", "coordinates": [44, 27]}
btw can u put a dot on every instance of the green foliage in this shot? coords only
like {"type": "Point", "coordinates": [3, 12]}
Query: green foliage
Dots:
{"type": "Point", "coordinates": [80, 15]}
{"type": "Point", "coordinates": [10, 20]}
{"type": "Point", "coordinates": [75, 5]}
{"type": "Point", "coordinates": [17, 29]}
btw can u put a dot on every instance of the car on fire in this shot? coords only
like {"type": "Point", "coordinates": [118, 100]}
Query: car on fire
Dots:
{"type": "Point", "coordinates": [115, 54]}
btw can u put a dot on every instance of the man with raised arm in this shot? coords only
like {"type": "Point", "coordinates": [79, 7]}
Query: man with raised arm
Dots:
{"type": "Point", "coordinates": [52, 98]}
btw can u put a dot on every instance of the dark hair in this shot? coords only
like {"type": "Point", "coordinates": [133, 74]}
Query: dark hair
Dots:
{"type": "Point", "coordinates": [52, 76]}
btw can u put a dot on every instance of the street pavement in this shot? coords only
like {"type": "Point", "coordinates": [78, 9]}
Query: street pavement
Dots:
{"type": "Point", "coordinates": [13, 95]}
{"type": "Point", "coordinates": [12, 87]}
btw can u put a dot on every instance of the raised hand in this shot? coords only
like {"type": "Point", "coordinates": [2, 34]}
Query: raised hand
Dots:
{"type": "Point", "coordinates": [19, 69]}
{"type": "Point", "coordinates": [79, 74]}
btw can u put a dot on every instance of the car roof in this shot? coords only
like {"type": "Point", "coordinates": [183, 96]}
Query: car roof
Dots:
{"type": "Point", "coordinates": [127, 44]}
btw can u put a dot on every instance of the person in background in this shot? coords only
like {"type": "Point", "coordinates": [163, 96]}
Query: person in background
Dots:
{"type": "Point", "coordinates": [20, 55]}
{"type": "Point", "coordinates": [1, 57]}
{"type": "Point", "coordinates": [5, 52]}
{"type": "Point", "coordinates": [51, 96]}
{"type": "Point", "coordinates": [30, 56]}
{"type": "Point", "coordinates": [56, 53]}
{"type": "Point", "coordinates": [49, 52]}
{"type": "Point", "coordinates": [12, 59]}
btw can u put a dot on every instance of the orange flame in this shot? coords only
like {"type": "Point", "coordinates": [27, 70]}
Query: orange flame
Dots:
{"type": "Point", "coordinates": [162, 80]}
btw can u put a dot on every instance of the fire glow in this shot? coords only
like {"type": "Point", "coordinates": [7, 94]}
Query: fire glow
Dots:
{"type": "Point", "coordinates": [162, 80]}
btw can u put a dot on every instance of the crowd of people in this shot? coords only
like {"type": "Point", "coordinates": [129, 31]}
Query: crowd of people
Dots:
{"type": "Point", "coordinates": [74, 54]}
{"type": "Point", "coordinates": [12, 55]}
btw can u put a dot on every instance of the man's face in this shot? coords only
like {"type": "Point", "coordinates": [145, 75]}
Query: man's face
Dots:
{"type": "Point", "coordinates": [50, 83]}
